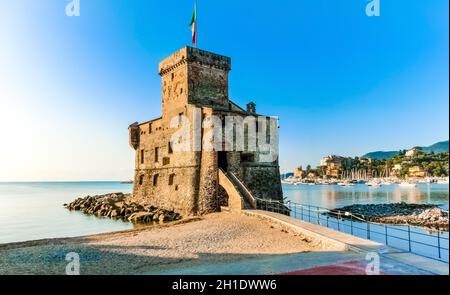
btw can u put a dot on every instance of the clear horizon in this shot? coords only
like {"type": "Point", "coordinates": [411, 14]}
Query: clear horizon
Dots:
{"type": "Point", "coordinates": [340, 82]}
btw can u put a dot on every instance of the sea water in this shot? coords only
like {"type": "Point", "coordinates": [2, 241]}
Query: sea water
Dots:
{"type": "Point", "coordinates": [34, 210]}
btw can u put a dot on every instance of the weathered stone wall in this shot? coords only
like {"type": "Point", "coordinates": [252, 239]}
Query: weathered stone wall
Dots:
{"type": "Point", "coordinates": [165, 178]}
{"type": "Point", "coordinates": [263, 180]}
{"type": "Point", "coordinates": [208, 86]}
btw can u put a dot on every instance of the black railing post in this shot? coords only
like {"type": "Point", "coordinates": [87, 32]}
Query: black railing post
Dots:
{"type": "Point", "coordinates": [386, 234]}
{"type": "Point", "coordinates": [351, 224]}
{"type": "Point", "coordinates": [439, 243]}
{"type": "Point", "coordinates": [289, 204]}
{"type": "Point", "coordinates": [328, 217]}
{"type": "Point", "coordinates": [409, 238]}
{"type": "Point", "coordinates": [301, 211]}
{"type": "Point", "coordinates": [368, 230]}
{"type": "Point", "coordinates": [318, 216]}
{"type": "Point", "coordinates": [309, 213]}
{"type": "Point", "coordinates": [295, 211]}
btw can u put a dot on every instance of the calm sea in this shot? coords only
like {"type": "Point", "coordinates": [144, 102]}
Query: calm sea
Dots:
{"type": "Point", "coordinates": [335, 196]}
{"type": "Point", "coordinates": [30, 211]}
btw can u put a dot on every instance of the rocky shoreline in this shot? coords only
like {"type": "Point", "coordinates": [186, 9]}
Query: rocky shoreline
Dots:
{"type": "Point", "coordinates": [424, 215]}
{"type": "Point", "coordinates": [119, 206]}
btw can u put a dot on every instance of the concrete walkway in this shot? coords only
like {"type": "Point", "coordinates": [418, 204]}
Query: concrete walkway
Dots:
{"type": "Point", "coordinates": [348, 255]}
{"type": "Point", "coordinates": [357, 253]}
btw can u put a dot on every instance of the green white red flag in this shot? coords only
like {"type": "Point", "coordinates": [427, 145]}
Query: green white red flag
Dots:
{"type": "Point", "coordinates": [193, 25]}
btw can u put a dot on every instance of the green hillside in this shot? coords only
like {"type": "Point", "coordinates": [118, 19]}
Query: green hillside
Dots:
{"type": "Point", "coordinates": [439, 147]}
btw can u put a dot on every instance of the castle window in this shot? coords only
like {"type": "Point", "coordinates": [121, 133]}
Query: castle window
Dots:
{"type": "Point", "coordinates": [169, 148]}
{"type": "Point", "coordinates": [171, 179]}
{"type": "Point", "coordinates": [268, 123]}
{"type": "Point", "coordinates": [150, 128]}
{"type": "Point", "coordinates": [181, 91]}
{"type": "Point", "coordinates": [173, 76]}
{"type": "Point", "coordinates": [180, 119]}
{"type": "Point", "coordinates": [246, 157]}
{"type": "Point", "coordinates": [141, 179]}
{"type": "Point", "coordinates": [156, 155]}
{"type": "Point", "coordinates": [166, 161]}
{"type": "Point", "coordinates": [155, 179]}
{"type": "Point", "coordinates": [142, 156]}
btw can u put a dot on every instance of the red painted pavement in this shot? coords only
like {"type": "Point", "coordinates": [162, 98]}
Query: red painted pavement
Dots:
{"type": "Point", "coordinates": [346, 268]}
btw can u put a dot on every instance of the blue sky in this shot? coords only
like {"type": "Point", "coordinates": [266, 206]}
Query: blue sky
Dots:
{"type": "Point", "coordinates": [341, 82]}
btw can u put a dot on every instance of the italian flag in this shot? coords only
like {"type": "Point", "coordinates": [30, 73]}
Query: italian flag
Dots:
{"type": "Point", "coordinates": [193, 25]}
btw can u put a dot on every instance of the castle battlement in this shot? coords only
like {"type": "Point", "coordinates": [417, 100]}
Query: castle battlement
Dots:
{"type": "Point", "coordinates": [194, 56]}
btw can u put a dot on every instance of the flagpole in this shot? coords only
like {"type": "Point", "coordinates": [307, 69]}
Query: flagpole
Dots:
{"type": "Point", "coordinates": [194, 25]}
{"type": "Point", "coordinates": [196, 21]}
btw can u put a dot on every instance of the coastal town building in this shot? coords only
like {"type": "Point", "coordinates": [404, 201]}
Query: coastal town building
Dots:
{"type": "Point", "coordinates": [334, 165]}
{"type": "Point", "coordinates": [194, 180]}
{"type": "Point", "coordinates": [417, 172]}
{"type": "Point", "coordinates": [412, 152]}
{"type": "Point", "coordinates": [299, 172]}
{"type": "Point", "coordinates": [396, 170]}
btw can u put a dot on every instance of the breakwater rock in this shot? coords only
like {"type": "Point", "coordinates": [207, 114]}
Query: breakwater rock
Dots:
{"type": "Point", "coordinates": [119, 206]}
{"type": "Point", "coordinates": [424, 215]}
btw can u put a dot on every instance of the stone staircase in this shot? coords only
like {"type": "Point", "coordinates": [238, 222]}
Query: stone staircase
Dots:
{"type": "Point", "coordinates": [239, 196]}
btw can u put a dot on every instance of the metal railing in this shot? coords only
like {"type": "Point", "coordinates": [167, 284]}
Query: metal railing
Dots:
{"type": "Point", "coordinates": [348, 223]}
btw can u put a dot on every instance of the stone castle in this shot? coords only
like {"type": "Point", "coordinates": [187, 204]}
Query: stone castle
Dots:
{"type": "Point", "coordinates": [200, 179]}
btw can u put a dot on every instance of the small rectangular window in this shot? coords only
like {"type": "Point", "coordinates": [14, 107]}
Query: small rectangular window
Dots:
{"type": "Point", "coordinates": [142, 156]}
{"type": "Point", "coordinates": [169, 147]}
{"type": "Point", "coordinates": [247, 157]}
{"type": "Point", "coordinates": [156, 155]}
{"type": "Point", "coordinates": [155, 179]}
{"type": "Point", "coordinates": [150, 128]}
{"type": "Point", "coordinates": [180, 119]}
{"type": "Point", "coordinates": [166, 161]}
{"type": "Point", "coordinates": [141, 179]}
{"type": "Point", "coordinates": [171, 179]}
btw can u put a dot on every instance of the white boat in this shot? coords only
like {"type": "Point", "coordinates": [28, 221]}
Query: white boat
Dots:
{"type": "Point", "coordinates": [373, 183]}
{"type": "Point", "coordinates": [346, 184]}
{"type": "Point", "coordinates": [407, 184]}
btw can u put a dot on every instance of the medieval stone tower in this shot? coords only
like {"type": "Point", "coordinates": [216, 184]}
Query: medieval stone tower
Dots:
{"type": "Point", "coordinates": [195, 96]}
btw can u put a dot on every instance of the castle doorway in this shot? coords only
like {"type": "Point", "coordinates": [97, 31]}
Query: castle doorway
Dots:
{"type": "Point", "coordinates": [223, 161]}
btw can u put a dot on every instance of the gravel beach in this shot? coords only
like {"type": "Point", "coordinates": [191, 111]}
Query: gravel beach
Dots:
{"type": "Point", "coordinates": [210, 239]}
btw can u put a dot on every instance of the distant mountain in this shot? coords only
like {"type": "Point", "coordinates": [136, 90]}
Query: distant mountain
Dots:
{"type": "Point", "coordinates": [439, 147]}
{"type": "Point", "coordinates": [381, 155]}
